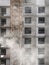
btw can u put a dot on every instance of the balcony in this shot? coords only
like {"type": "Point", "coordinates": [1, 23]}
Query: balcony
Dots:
{"type": "Point", "coordinates": [2, 64]}
{"type": "Point", "coordinates": [5, 26]}
{"type": "Point", "coordinates": [4, 52]}
{"type": "Point", "coordinates": [5, 56]}
{"type": "Point", "coordinates": [3, 14]}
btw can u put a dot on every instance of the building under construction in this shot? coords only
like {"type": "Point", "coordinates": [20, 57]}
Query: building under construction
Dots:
{"type": "Point", "coordinates": [24, 32]}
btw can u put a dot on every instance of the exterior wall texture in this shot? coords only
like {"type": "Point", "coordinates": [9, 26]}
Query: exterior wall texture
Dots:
{"type": "Point", "coordinates": [47, 33]}
{"type": "Point", "coordinates": [21, 53]}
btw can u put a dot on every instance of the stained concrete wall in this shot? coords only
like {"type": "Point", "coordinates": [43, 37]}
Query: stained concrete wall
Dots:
{"type": "Point", "coordinates": [47, 2]}
{"type": "Point", "coordinates": [30, 57]}
{"type": "Point", "coordinates": [21, 54]}
{"type": "Point", "coordinates": [8, 11]}
{"type": "Point", "coordinates": [47, 32]}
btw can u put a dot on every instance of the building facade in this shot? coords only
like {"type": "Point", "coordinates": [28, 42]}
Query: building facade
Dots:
{"type": "Point", "coordinates": [35, 29]}
{"type": "Point", "coordinates": [24, 32]}
{"type": "Point", "coordinates": [4, 30]}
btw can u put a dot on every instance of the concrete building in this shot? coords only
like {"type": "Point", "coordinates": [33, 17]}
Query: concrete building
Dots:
{"type": "Point", "coordinates": [24, 32]}
{"type": "Point", "coordinates": [4, 30]}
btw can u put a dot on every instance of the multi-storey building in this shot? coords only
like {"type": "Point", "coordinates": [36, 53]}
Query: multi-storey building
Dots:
{"type": "Point", "coordinates": [4, 17]}
{"type": "Point", "coordinates": [4, 30]}
{"type": "Point", "coordinates": [4, 56]}
{"type": "Point", "coordinates": [35, 31]}
{"type": "Point", "coordinates": [24, 31]}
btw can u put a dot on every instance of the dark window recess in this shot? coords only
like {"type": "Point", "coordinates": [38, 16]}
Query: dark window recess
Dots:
{"type": "Point", "coordinates": [27, 40]}
{"type": "Point", "coordinates": [27, 30]}
{"type": "Point", "coordinates": [26, 1]}
{"type": "Point", "coordinates": [3, 11]}
{"type": "Point", "coordinates": [41, 9]}
{"type": "Point", "coordinates": [27, 19]}
{"type": "Point", "coordinates": [27, 9]}
{"type": "Point", "coordinates": [41, 20]}
{"type": "Point", "coordinates": [41, 40]}
{"type": "Point", "coordinates": [40, 50]}
{"type": "Point", "coordinates": [41, 61]}
{"type": "Point", "coordinates": [3, 31]}
{"type": "Point", "coordinates": [3, 61]}
{"type": "Point", "coordinates": [3, 51]}
{"type": "Point", "coordinates": [41, 30]}
{"type": "Point", "coordinates": [0, 51]}
{"type": "Point", "coordinates": [3, 21]}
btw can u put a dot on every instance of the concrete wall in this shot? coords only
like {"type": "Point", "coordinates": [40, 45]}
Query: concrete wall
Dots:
{"type": "Point", "coordinates": [21, 54]}
{"type": "Point", "coordinates": [8, 21]}
{"type": "Point", "coordinates": [40, 2]}
{"type": "Point", "coordinates": [30, 57]}
{"type": "Point", "coordinates": [4, 2]}
{"type": "Point", "coordinates": [47, 32]}
{"type": "Point", "coordinates": [8, 11]}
